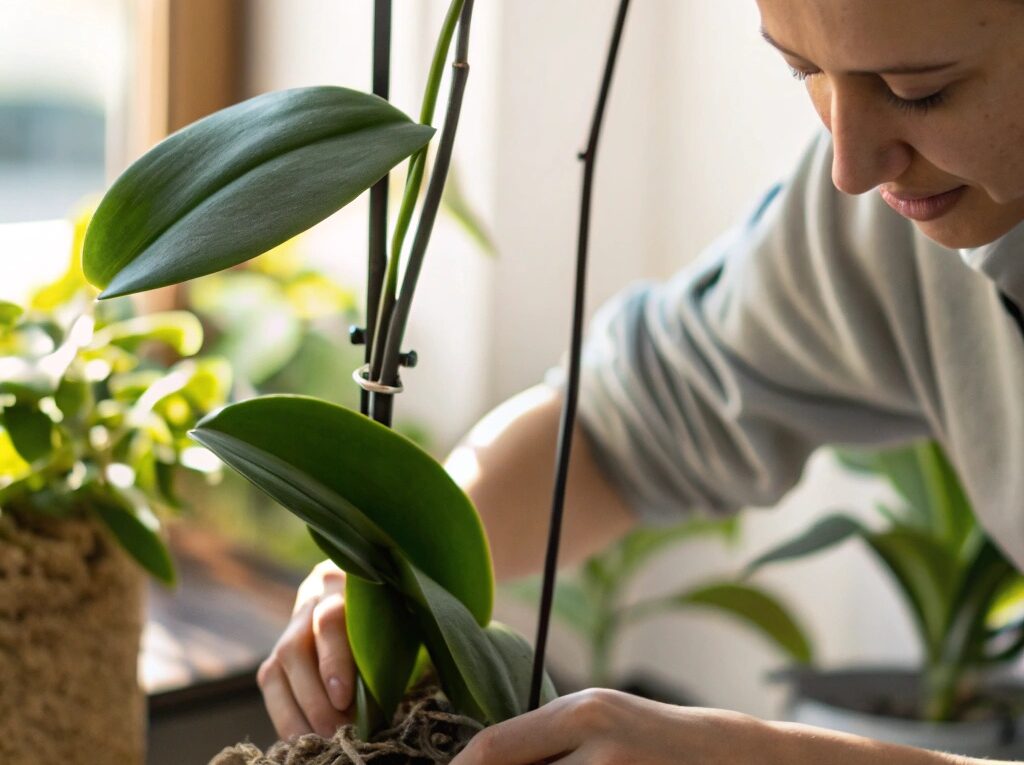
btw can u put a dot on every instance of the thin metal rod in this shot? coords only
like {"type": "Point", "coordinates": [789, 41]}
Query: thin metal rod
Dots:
{"type": "Point", "coordinates": [589, 158]}
{"type": "Point", "coordinates": [377, 256]}
{"type": "Point", "coordinates": [431, 202]}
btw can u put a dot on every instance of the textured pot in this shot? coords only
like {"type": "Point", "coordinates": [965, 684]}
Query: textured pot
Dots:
{"type": "Point", "coordinates": [70, 626]}
{"type": "Point", "coordinates": [836, 700]}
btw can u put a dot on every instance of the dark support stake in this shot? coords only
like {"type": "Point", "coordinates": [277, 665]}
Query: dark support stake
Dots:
{"type": "Point", "coordinates": [382, 403]}
{"type": "Point", "coordinates": [377, 263]}
{"type": "Point", "coordinates": [589, 157]}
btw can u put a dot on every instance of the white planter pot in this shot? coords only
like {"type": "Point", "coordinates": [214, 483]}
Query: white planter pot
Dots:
{"type": "Point", "coordinates": [830, 700]}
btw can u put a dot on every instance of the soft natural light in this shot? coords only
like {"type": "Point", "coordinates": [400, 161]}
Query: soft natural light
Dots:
{"type": "Point", "coordinates": [31, 255]}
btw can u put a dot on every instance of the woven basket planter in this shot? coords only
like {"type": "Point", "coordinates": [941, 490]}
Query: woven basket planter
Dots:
{"type": "Point", "coordinates": [70, 626]}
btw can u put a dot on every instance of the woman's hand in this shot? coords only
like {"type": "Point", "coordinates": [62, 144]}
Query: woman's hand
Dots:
{"type": "Point", "coordinates": [308, 679]}
{"type": "Point", "coordinates": [603, 727]}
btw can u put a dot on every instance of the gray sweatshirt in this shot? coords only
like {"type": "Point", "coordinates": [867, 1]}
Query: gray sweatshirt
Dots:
{"type": "Point", "coordinates": [825, 319]}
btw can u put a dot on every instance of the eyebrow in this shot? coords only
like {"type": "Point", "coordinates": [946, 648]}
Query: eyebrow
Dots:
{"type": "Point", "coordinates": [899, 69]}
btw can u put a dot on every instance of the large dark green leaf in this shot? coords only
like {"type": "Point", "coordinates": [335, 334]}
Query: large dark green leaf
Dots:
{"type": "Point", "coordinates": [824, 534]}
{"type": "Point", "coordinates": [355, 543]}
{"type": "Point", "coordinates": [364, 474]}
{"type": "Point", "coordinates": [385, 639]}
{"type": "Point", "coordinates": [483, 670]}
{"type": "Point", "coordinates": [241, 181]}
{"type": "Point", "coordinates": [516, 655]}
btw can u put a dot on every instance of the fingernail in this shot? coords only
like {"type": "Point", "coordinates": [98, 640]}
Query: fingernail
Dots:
{"type": "Point", "coordinates": [336, 693]}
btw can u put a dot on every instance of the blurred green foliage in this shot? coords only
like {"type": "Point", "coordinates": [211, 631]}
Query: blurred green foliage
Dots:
{"type": "Point", "coordinates": [95, 406]}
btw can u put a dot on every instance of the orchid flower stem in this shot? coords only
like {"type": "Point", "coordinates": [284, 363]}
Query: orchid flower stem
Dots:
{"type": "Point", "coordinates": [589, 157]}
{"type": "Point", "coordinates": [413, 182]}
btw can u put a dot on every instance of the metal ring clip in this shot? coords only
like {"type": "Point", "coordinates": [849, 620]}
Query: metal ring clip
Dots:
{"type": "Point", "coordinates": [359, 375]}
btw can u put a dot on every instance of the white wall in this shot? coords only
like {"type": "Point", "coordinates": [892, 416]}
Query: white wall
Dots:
{"type": "Point", "coordinates": [703, 118]}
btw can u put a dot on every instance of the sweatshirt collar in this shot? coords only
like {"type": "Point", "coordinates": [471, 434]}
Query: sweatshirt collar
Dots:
{"type": "Point", "coordinates": [1002, 261]}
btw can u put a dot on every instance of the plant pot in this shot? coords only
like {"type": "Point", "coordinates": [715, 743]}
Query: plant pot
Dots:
{"type": "Point", "coordinates": [70, 626]}
{"type": "Point", "coordinates": [867, 702]}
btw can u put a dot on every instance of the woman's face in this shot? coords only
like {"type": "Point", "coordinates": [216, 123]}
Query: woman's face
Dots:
{"type": "Point", "coordinates": [924, 100]}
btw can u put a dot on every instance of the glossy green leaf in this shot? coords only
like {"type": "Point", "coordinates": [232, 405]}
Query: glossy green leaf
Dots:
{"type": "Point", "coordinates": [239, 182]}
{"type": "Point", "coordinates": [824, 534]}
{"type": "Point", "coordinates": [138, 532]}
{"type": "Point", "coordinates": [384, 636]}
{"type": "Point", "coordinates": [516, 655]}
{"type": "Point", "coordinates": [755, 607]}
{"type": "Point", "coordinates": [178, 329]}
{"type": "Point", "coordinates": [365, 474]}
{"type": "Point", "coordinates": [31, 431]}
{"type": "Point", "coordinates": [357, 545]}
{"type": "Point", "coordinates": [370, 717]}
{"type": "Point", "coordinates": [480, 669]}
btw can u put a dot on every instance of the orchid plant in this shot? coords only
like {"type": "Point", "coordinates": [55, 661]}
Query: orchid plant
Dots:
{"type": "Point", "coordinates": [240, 182]}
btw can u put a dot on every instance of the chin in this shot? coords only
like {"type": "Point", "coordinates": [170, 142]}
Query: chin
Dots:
{"type": "Point", "coordinates": [956, 237]}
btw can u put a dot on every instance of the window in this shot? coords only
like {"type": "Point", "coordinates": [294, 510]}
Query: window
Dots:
{"type": "Point", "coordinates": [62, 82]}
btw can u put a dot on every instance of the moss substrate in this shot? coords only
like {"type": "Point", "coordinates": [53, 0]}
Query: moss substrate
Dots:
{"type": "Point", "coordinates": [425, 731]}
{"type": "Point", "coordinates": [70, 624]}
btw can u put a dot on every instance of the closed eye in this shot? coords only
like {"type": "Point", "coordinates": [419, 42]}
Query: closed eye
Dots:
{"type": "Point", "coordinates": [919, 105]}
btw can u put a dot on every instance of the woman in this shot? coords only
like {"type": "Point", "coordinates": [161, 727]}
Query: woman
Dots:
{"type": "Point", "coordinates": [840, 313]}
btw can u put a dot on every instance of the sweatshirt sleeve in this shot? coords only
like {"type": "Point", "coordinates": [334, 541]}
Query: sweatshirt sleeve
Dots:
{"type": "Point", "coordinates": [707, 393]}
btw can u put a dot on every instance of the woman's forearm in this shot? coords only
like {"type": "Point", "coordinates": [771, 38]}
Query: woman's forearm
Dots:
{"type": "Point", "coordinates": [807, 745]}
{"type": "Point", "coordinates": [506, 465]}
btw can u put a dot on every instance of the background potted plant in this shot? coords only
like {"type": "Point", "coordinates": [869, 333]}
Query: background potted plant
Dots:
{"type": "Point", "coordinates": [965, 599]}
{"type": "Point", "coordinates": [93, 430]}
{"type": "Point", "coordinates": [595, 602]}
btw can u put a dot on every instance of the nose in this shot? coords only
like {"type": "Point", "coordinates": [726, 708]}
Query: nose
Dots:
{"type": "Point", "coordinates": [867, 147]}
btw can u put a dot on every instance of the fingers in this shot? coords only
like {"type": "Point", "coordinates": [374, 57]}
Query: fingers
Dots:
{"type": "Point", "coordinates": [298, 657]}
{"type": "Point", "coordinates": [538, 736]}
{"type": "Point", "coordinates": [310, 661]}
{"type": "Point", "coordinates": [335, 662]}
{"type": "Point", "coordinates": [284, 713]}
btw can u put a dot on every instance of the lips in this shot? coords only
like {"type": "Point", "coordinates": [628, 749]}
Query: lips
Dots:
{"type": "Point", "coordinates": [923, 207]}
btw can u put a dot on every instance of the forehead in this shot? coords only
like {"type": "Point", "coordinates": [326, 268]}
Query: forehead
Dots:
{"type": "Point", "coordinates": [871, 33]}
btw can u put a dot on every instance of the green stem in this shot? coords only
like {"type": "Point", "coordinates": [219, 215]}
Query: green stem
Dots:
{"type": "Point", "coordinates": [413, 182]}
{"type": "Point", "coordinates": [941, 682]}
